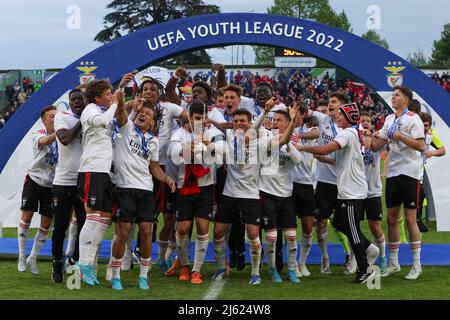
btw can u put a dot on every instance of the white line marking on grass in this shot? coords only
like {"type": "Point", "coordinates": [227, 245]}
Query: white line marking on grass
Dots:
{"type": "Point", "coordinates": [214, 290]}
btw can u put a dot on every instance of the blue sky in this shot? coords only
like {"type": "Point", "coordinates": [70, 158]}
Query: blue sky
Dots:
{"type": "Point", "coordinates": [33, 34]}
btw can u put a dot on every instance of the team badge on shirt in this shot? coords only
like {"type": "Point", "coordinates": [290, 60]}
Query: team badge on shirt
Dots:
{"type": "Point", "coordinates": [92, 200]}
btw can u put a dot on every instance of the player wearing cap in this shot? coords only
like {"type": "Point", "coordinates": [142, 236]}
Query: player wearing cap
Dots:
{"type": "Point", "coordinates": [37, 191]}
{"type": "Point", "coordinates": [404, 132]}
{"type": "Point", "coordinates": [65, 195]}
{"type": "Point", "coordinates": [352, 186]}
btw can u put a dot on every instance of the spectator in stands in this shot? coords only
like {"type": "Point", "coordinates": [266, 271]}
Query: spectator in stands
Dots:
{"type": "Point", "coordinates": [10, 93]}
{"type": "Point", "coordinates": [21, 97]}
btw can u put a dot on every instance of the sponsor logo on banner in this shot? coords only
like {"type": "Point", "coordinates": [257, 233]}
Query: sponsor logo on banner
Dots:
{"type": "Point", "coordinates": [394, 78]}
{"type": "Point", "coordinates": [87, 67]}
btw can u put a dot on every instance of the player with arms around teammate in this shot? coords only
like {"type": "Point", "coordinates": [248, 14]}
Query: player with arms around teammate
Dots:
{"type": "Point", "coordinates": [352, 186]}
{"type": "Point", "coordinates": [37, 190]}
{"type": "Point", "coordinates": [404, 132]}
{"type": "Point", "coordinates": [65, 197]}
{"type": "Point", "coordinates": [136, 160]}
{"type": "Point", "coordinates": [94, 181]}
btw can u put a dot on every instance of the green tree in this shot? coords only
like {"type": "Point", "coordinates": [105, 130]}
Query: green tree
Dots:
{"type": "Point", "coordinates": [317, 10]}
{"type": "Point", "coordinates": [441, 49]}
{"type": "Point", "coordinates": [418, 58]}
{"type": "Point", "coordinates": [264, 55]}
{"type": "Point", "coordinates": [132, 15]}
{"type": "Point", "coordinates": [373, 36]}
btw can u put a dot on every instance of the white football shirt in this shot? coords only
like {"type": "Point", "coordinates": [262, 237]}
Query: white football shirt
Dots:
{"type": "Point", "coordinates": [96, 141]}
{"type": "Point", "coordinates": [66, 173]}
{"type": "Point", "coordinates": [131, 163]}
{"type": "Point", "coordinates": [41, 171]}
{"type": "Point", "coordinates": [351, 178]}
{"type": "Point", "coordinates": [404, 160]}
{"type": "Point", "coordinates": [275, 176]}
{"type": "Point", "coordinates": [328, 130]}
{"type": "Point", "coordinates": [303, 171]}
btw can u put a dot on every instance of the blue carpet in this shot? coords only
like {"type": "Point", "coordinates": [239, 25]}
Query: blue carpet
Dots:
{"type": "Point", "coordinates": [432, 254]}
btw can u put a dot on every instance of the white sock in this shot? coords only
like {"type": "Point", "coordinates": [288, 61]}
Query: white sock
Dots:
{"type": "Point", "coordinates": [220, 248]}
{"type": "Point", "coordinates": [111, 252]}
{"type": "Point", "coordinates": [201, 246]}
{"type": "Point", "coordinates": [271, 242]}
{"type": "Point", "coordinates": [145, 267]}
{"type": "Point", "coordinates": [183, 248]}
{"type": "Point", "coordinates": [291, 248]}
{"type": "Point", "coordinates": [39, 241]}
{"type": "Point", "coordinates": [415, 250]}
{"type": "Point", "coordinates": [381, 244]}
{"type": "Point", "coordinates": [86, 239]}
{"type": "Point", "coordinates": [72, 239]}
{"type": "Point", "coordinates": [170, 250]}
{"type": "Point", "coordinates": [23, 231]}
{"type": "Point", "coordinates": [101, 226]}
{"type": "Point", "coordinates": [115, 264]}
{"type": "Point", "coordinates": [322, 241]}
{"type": "Point", "coordinates": [393, 253]}
{"type": "Point", "coordinates": [162, 249]}
{"type": "Point", "coordinates": [255, 253]}
{"type": "Point", "coordinates": [129, 243]}
{"type": "Point", "coordinates": [306, 243]}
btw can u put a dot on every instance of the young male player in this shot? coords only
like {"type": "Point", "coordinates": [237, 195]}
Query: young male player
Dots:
{"type": "Point", "coordinates": [372, 206]}
{"type": "Point", "coordinates": [352, 186]}
{"type": "Point", "coordinates": [94, 181]}
{"type": "Point", "coordinates": [195, 184]}
{"type": "Point", "coordinates": [135, 161]}
{"type": "Point", "coordinates": [65, 196]}
{"type": "Point", "coordinates": [37, 191]}
{"type": "Point", "coordinates": [303, 192]}
{"type": "Point", "coordinates": [275, 186]}
{"type": "Point", "coordinates": [404, 132]}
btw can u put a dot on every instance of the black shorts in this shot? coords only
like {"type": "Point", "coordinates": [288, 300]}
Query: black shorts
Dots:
{"type": "Point", "coordinates": [326, 198]}
{"type": "Point", "coordinates": [372, 208]}
{"type": "Point", "coordinates": [196, 206]}
{"type": "Point", "coordinates": [402, 190]}
{"type": "Point", "coordinates": [303, 200]}
{"type": "Point", "coordinates": [221, 177]}
{"type": "Point", "coordinates": [165, 199]}
{"type": "Point", "coordinates": [96, 190]}
{"type": "Point", "coordinates": [135, 205]}
{"type": "Point", "coordinates": [36, 197]}
{"type": "Point", "coordinates": [66, 198]}
{"type": "Point", "coordinates": [229, 208]}
{"type": "Point", "coordinates": [277, 212]}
